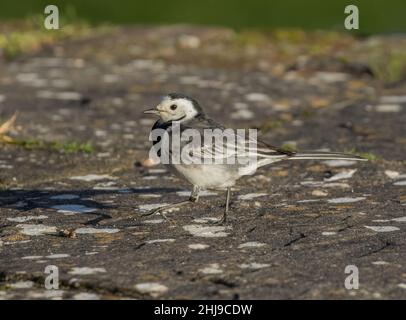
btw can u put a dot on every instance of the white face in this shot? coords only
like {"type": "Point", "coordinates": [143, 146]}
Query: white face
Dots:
{"type": "Point", "coordinates": [176, 109]}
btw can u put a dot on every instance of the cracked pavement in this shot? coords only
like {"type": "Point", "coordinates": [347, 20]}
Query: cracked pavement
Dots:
{"type": "Point", "coordinates": [294, 227]}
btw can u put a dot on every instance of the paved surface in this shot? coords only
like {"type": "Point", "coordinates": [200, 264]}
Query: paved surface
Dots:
{"type": "Point", "coordinates": [294, 227]}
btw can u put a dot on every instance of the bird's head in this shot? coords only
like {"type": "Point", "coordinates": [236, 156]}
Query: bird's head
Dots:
{"type": "Point", "coordinates": [176, 107]}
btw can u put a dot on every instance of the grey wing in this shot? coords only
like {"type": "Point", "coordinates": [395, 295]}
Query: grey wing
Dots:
{"type": "Point", "coordinates": [219, 145]}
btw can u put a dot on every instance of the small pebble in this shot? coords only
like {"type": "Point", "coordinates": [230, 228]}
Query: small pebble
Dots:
{"type": "Point", "coordinates": [198, 246]}
{"type": "Point", "coordinates": [213, 268]}
{"type": "Point", "coordinates": [251, 244]}
{"type": "Point", "coordinates": [382, 228]}
{"type": "Point", "coordinates": [153, 288]}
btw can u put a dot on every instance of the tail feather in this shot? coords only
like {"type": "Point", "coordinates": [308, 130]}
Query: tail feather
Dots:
{"type": "Point", "coordinates": [315, 155]}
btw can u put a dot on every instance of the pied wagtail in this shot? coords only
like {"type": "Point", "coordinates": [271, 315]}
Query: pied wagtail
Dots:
{"type": "Point", "coordinates": [187, 112]}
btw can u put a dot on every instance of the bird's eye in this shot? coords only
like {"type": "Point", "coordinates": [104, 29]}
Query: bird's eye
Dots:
{"type": "Point", "coordinates": [173, 107]}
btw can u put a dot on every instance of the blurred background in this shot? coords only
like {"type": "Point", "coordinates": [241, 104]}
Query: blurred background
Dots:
{"type": "Point", "coordinates": [377, 16]}
{"type": "Point", "coordinates": [132, 52]}
{"type": "Point", "coordinates": [274, 64]}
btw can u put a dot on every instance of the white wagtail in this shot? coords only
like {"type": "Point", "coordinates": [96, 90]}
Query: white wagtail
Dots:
{"type": "Point", "coordinates": [187, 112]}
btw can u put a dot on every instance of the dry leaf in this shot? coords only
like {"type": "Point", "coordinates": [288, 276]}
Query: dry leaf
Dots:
{"type": "Point", "coordinates": [6, 126]}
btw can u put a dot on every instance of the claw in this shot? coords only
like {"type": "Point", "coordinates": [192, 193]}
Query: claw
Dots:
{"type": "Point", "coordinates": [156, 211]}
{"type": "Point", "coordinates": [218, 222]}
{"type": "Point", "coordinates": [150, 213]}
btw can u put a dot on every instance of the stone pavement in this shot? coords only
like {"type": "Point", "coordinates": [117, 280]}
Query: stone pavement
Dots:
{"type": "Point", "coordinates": [294, 227]}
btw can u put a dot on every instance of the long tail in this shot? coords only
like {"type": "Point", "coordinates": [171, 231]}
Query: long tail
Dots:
{"type": "Point", "coordinates": [315, 155]}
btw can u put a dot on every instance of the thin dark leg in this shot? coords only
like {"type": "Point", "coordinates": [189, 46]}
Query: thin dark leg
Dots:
{"type": "Point", "coordinates": [228, 196]}
{"type": "Point", "coordinates": [194, 197]}
{"type": "Point", "coordinates": [223, 219]}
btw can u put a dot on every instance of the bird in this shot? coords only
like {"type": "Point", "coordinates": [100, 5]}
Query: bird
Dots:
{"type": "Point", "coordinates": [189, 116]}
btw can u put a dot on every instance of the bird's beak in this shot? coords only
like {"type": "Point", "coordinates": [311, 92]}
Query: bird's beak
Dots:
{"type": "Point", "coordinates": [151, 111]}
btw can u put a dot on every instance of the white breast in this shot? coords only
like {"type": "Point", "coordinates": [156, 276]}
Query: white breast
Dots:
{"type": "Point", "coordinates": [208, 175]}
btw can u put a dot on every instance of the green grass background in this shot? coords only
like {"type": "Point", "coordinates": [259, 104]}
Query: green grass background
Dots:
{"type": "Point", "coordinates": [376, 16]}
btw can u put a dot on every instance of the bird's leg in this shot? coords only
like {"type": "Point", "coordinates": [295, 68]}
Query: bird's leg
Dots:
{"type": "Point", "coordinates": [223, 219]}
{"type": "Point", "coordinates": [194, 196]}
{"type": "Point", "coordinates": [228, 196]}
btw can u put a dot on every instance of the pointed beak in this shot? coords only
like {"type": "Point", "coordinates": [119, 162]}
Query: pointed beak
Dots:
{"type": "Point", "coordinates": [151, 111]}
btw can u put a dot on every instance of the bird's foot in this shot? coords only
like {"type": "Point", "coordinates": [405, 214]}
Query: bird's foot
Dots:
{"type": "Point", "coordinates": [152, 212]}
{"type": "Point", "coordinates": [162, 209]}
{"type": "Point", "coordinates": [161, 212]}
{"type": "Point", "coordinates": [218, 222]}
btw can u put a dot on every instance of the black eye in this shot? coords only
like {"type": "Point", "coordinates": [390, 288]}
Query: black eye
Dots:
{"type": "Point", "coordinates": [173, 107]}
